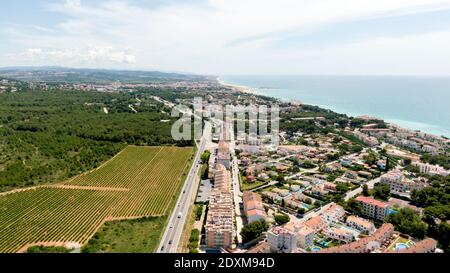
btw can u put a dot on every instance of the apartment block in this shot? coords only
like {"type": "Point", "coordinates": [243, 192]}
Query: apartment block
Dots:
{"type": "Point", "coordinates": [374, 209]}
{"type": "Point", "coordinates": [281, 240]}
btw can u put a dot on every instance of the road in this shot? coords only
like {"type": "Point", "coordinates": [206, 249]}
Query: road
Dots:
{"type": "Point", "coordinates": [237, 193]}
{"type": "Point", "coordinates": [174, 229]}
{"type": "Point", "coordinates": [359, 190]}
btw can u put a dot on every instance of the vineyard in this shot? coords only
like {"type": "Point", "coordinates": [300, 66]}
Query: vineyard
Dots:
{"type": "Point", "coordinates": [138, 182]}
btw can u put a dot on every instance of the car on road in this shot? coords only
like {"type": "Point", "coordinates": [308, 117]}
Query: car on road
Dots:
{"type": "Point", "coordinates": [170, 242]}
{"type": "Point", "coordinates": [162, 248]}
{"type": "Point", "coordinates": [180, 215]}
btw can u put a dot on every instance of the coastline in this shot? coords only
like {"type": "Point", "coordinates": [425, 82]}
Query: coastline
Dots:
{"type": "Point", "coordinates": [393, 122]}
{"type": "Point", "coordinates": [240, 88]}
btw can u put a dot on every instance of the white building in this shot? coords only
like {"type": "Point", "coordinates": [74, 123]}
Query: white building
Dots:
{"type": "Point", "coordinates": [340, 234]}
{"type": "Point", "coordinates": [399, 184]}
{"type": "Point", "coordinates": [333, 214]}
{"type": "Point", "coordinates": [281, 240]}
{"type": "Point", "coordinates": [361, 224]}
{"type": "Point", "coordinates": [374, 209]}
{"type": "Point", "coordinates": [431, 169]}
{"type": "Point", "coordinates": [306, 237]}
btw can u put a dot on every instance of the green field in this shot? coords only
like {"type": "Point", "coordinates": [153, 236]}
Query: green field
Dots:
{"type": "Point", "coordinates": [138, 182]}
{"type": "Point", "coordinates": [128, 236]}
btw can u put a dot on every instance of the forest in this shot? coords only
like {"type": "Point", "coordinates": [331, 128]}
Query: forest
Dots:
{"type": "Point", "coordinates": [49, 136]}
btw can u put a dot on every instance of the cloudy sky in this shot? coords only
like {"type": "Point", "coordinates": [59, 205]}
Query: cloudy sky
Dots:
{"type": "Point", "coordinates": [387, 37]}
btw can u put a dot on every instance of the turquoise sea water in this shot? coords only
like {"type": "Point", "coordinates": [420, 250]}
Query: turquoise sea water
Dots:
{"type": "Point", "coordinates": [421, 103]}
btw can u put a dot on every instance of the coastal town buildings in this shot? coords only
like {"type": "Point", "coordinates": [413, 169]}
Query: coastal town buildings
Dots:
{"type": "Point", "coordinates": [339, 234]}
{"type": "Point", "coordinates": [398, 183]}
{"type": "Point", "coordinates": [281, 240]}
{"type": "Point", "coordinates": [333, 214]}
{"type": "Point", "coordinates": [366, 244]}
{"type": "Point", "coordinates": [374, 209]}
{"type": "Point", "coordinates": [253, 207]}
{"type": "Point", "coordinates": [425, 246]}
{"type": "Point", "coordinates": [431, 169]}
{"type": "Point", "coordinates": [363, 225]}
{"type": "Point", "coordinates": [219, 223]}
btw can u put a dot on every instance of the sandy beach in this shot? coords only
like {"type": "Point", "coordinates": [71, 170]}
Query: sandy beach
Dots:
{"type": "Point", "coordinates": [240, 88]}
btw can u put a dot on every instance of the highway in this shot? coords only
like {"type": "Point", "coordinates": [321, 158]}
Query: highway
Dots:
{"type": "Point", "coordinates": [174, 229]}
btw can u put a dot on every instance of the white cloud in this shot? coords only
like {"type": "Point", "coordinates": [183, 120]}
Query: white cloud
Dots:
{"type": "Point", "coordinates": [77, 56]}
{"type": "Point", "coordinates": [72, 3]}
{"type": "Point", "coordinates": [200, 37]}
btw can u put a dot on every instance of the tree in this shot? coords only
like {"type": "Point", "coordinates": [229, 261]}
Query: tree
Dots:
{"type": "Point", "coordinates": [281, 178]}
{"type": "Point", "coordinates": [342, 188]}
{"type": "Point", "coordinates": [408, 222]}
{"type": "Point", "coordinates": [442, 234]}
{"type": "Point", "coordinates": [354, 207]}
{"type": "Point", "coordinates": [382, 191]}
{"type": "Point", "coordinates": [253, 230]}
{"type": "Point", "coordinates": [281, 219]}
{"type": "Point", "coordinates": [205, 157]}
{"type": "Point", "coordinates": [301, 211]}
{"type": "Point", "coordinates": [365, 190]}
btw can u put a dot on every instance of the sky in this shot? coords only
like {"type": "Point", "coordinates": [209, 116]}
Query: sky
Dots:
{"type": "Point", "coordinates": [231, 37]}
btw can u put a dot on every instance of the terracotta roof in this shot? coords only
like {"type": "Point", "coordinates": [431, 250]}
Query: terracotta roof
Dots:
{"type": "Point", "coordinates": [371, 201]}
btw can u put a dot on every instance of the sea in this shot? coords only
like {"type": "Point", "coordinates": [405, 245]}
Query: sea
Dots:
{"type": "Point", "coordinates": [419, 103]}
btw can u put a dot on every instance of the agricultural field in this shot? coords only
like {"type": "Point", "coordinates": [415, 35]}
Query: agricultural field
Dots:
{"type": "Point", "coordinates": [138, 182]}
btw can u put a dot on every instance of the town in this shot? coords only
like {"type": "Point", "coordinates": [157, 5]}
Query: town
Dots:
{"type": "Point", "coordinates": [342, 191]}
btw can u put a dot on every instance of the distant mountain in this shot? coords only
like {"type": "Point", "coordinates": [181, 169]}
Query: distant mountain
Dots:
{"type": "Point", "coordinates": [72, 75]}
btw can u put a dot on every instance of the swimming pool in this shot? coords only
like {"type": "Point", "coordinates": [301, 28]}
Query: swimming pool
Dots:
{"type": "Point", "coordinates": [316, 248]}
{"type": "Point", "coordinates": [401, 246]}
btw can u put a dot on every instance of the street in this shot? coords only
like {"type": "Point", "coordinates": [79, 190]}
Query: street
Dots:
{"type": "Point", "coordinates": [174, 229]}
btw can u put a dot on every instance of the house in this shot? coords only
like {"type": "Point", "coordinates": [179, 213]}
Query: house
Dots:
{"type": "Point", "coordinates": [347, 162]}
{"type": "Point", "coordinates": [339, 234]}
{"type": "Point", "coordinates": [281, 192]}
{"type": "Point", "coordinates": [329, 186]}
{"type": "Point", "coordinates": [364, 226]}
{"type": "Point", "coordinates": [316, 224]}
{"type": "Point", "coordinates": [272, 196]}
{"type": "Point", "coordinates": [351, 175]}
{"type": "Point", "coordinates": [253, 207]}
{"type": "Point", "coordinates": [333, 214]}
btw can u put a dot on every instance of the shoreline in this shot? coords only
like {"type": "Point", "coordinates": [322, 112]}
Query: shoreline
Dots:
{"type": "Point", "coordinates": [390, 121]}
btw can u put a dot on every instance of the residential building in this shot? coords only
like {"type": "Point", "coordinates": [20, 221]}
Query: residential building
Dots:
{"type": "Point", "coordinates": [333, 214]}
{"type": "Point", "coordinates": [399, 184]}
{"type": "Point", "coordinates": [305, 234]}
{"type": "Point", "coordinates": [316, 224]}
{"type": "Point", "coordinates": [306, 237]}
{"type": "Point", "coordinates": [281, 240]}
{"type": "Point", "coordinates": [339, 234]}
{"type": "Point", "coordinates": [365, 226]}
{"type": "Point", "coordinates": [253, 207]}
{"type": "Point", "coordinates": [373, 209]}
{"type": "Point", "coordinates": [219, 223]}
{"type": "Point", "coordinates": [220, 218]}
{"type": "Point", "coordinates": [426, 246]}
{"type": "Point", "coordinates": [224, 155]}
{"type": "Point", "coordinates": [431, 169]}
{"type": "Point", "coordinates": [366, 244]}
